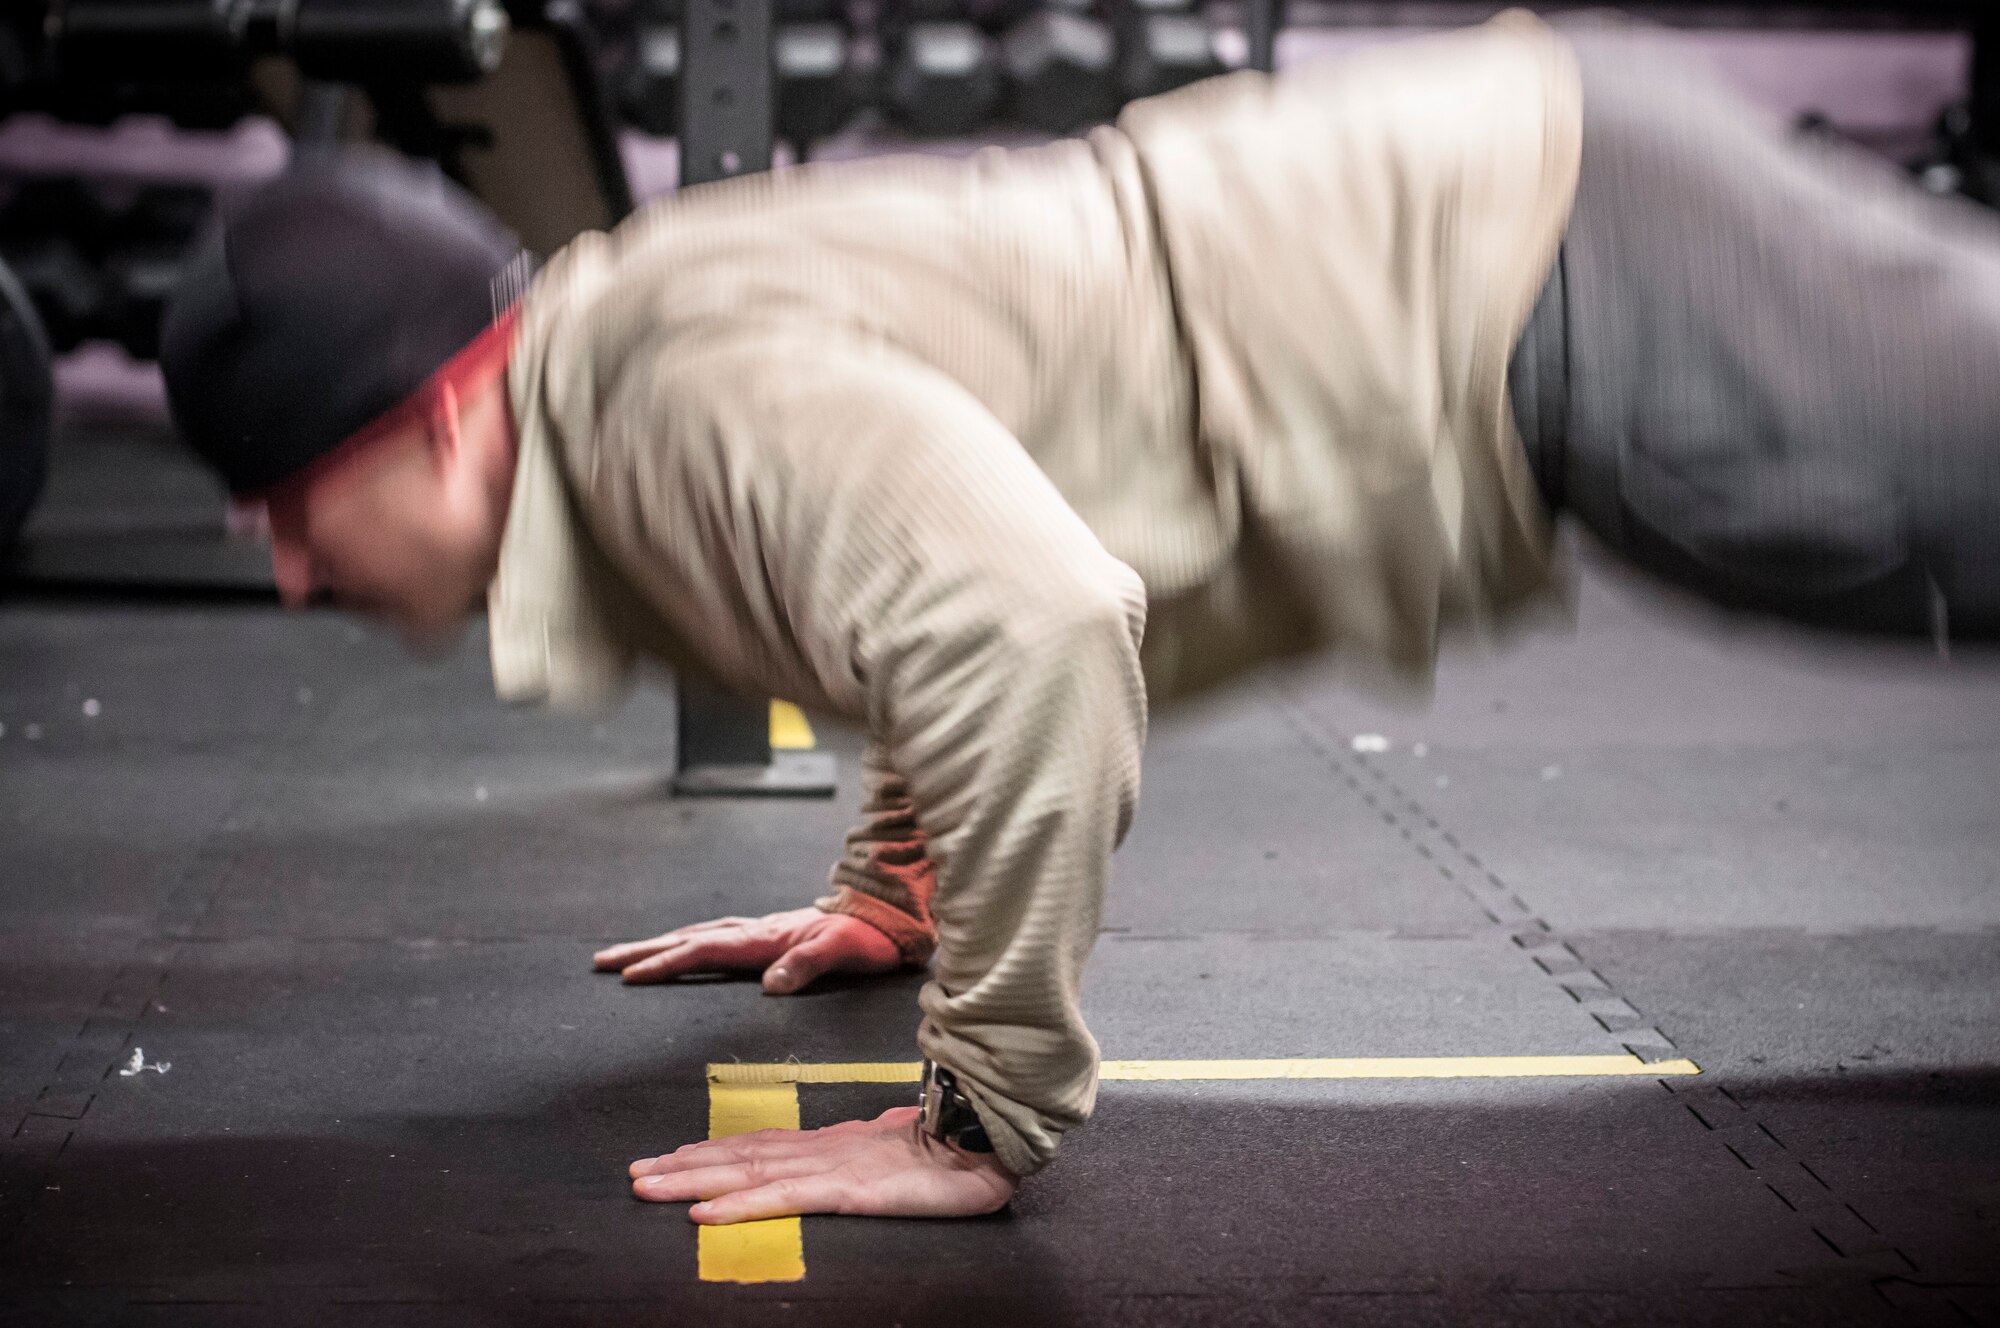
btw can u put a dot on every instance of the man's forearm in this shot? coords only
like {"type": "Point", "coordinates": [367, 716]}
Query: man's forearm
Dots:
{"type": "Point", "coordinates": [1030, 809]}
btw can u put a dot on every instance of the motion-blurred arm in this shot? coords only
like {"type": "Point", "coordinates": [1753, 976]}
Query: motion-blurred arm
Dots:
{"type": "Point", "coordinates": [849, 528]}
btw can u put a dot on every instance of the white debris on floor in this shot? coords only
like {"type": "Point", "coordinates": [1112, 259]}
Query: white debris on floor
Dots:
{"type": "Point", "coordinates": [137, 1063]}
{"type": "Point", "coordinates": [92, 708]}
{"type": "Point", "coordinates": [1369, 742]}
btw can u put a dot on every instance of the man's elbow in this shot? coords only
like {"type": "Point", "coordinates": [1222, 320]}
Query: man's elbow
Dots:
{"type": "Point", "coordinates": [1102, 609]}
{"type": "Point", "coordinates": [1073, 674]}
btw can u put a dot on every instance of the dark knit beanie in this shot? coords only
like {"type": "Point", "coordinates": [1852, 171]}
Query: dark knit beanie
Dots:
{"type": "Point", "coordinates": [319, 302]}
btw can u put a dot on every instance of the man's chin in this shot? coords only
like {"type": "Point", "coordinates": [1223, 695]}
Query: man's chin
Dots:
{"type": "Point", "coordinates": [427, 635]}
{"type": "Point", "coordinates": [432, 640]}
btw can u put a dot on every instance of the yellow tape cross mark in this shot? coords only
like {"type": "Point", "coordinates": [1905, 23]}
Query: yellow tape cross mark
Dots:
{"type": "Point", "coordinates": [768, 1251]}
{"type": "Point", "coordinates": [742, 1098]}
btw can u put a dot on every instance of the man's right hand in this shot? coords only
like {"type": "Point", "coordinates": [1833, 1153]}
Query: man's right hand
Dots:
{"type": "Point", "coordinates": [792, 949]}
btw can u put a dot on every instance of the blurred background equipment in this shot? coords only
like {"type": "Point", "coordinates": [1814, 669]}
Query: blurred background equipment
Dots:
{"type": "Point", "coordinates": [818, 86]}
{"type": "Point", "coordinates": [26, 394]}
{"type": "Point", "coordinates": [818, 89]}
{"type": "Point", "coordinates": [51, 233]}
{"type": "Point", "coordinates": [429, 41]}
{"type": "Point", "coordinates": [940, 76]}
{"type": "Point", "coordinates": [1964, 153]}
{"type": "Point", "coordinates": [1163, 45]}
{"type": "Point", "coordinates": [98, 258]}
{"type": "Point", "coordinates": [1062, 68]}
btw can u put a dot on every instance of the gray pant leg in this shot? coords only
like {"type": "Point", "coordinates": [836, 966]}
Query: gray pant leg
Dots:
{"type": "Point", "coordinates": [1776, 364]}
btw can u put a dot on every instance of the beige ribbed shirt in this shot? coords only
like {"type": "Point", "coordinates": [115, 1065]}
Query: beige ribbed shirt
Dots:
{"type": "Point", "coordinates": [935, 445]}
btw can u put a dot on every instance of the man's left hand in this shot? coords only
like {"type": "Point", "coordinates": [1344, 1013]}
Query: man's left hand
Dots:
{"type": "Point", "coordinates": [886, 1167]}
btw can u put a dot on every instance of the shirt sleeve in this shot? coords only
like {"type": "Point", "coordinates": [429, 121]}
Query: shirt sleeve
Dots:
{"type": "Point", "coordinates": [842, 524]}
{"type": "Point", "coordinates": [886, 877]}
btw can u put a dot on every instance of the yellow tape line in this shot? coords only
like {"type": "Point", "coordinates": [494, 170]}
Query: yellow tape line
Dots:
{"type": "Point", "coordinates": [795, 1072]}
{"type": "Point", "coordinates": [1375, 1067]}
{"type": "Point", "coordinates": [790, 730]}
{"type": "Point", "coordinates": [742, 1098]}
{"type": "Point", "coordinates": [768, 1251]}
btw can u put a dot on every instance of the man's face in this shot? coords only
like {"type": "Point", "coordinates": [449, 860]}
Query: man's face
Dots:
{"type": "Point", "coordinates": [381, 535]}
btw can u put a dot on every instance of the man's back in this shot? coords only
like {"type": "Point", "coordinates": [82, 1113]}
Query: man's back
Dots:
{"type": "Point", "coordinates": [1205, 326]}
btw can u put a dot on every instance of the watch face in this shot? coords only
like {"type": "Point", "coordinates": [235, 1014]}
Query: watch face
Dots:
{"type": "Point", "coordinates": [929, 1110]}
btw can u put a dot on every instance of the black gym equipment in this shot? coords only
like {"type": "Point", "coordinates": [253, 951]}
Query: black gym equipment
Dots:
{"type": "Point", "coordinates": [26, 393]}
{"type": "Point", "coordinates": [189, 91]}
{"type": "Point", "coordinates": [162, 214]}
{"type": "Point", "coordinates": [64, 286]}
{"type": "Point", "coordinates": [992, 15]}
{"type": "Point", "coordinates": [818, 88]}
{"type": "Point", "coordinates": [98, 259]}
{"type": "Point", "coordinates": [138, 282]}
{"type": "Point", "coordinates": [20, 43]}
{"type": "Point", "coordinates": [941, 78]}
{"type": "Point", "coordinates": [648, 79]}
{"type": "Point", "coordinates": [195, 60]}
{"type": "Point", "coordinates": [1062, 69]}
{"type": "Point", "coordinates": [1963, 155]}
{"type": "Point", "coordinates": [355, 41]}
{"type": "Point", "coordinates": [1968, 136]}
{"type": "Point", "coordinates": [1163, 45]}
{"type": "Point", "coordinates": [44, 205]}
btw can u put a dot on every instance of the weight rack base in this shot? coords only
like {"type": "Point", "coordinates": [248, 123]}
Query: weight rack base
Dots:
{"type": "Point", "coordinates": [790, 775]}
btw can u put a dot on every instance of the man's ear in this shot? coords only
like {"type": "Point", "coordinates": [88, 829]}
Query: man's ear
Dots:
{"type": "Point", "coordinates": [446, 440]}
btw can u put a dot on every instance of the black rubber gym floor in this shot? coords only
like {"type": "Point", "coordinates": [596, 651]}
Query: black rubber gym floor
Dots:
{"type": "Point", "coordinates": [297, 1022]}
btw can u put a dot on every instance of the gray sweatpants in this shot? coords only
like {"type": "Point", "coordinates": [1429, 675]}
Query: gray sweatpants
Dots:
{"type": "Point", "coordinates": [1766, 368]}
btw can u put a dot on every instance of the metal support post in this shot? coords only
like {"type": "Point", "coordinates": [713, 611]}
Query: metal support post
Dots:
{"type": "Point", "coordinates": [728, 125]}
{"type": "Point", "coordinates": [728, 101]}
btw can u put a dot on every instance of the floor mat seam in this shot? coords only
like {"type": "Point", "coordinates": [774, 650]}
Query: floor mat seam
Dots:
{"type": "Point", "coordinates": [1887, 1268]}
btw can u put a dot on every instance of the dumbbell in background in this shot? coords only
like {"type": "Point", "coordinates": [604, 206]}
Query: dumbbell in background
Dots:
{"type": "Point", "coordinates": [192, 95]}
{"type": "Point", "coordinates": [99, 258]}
{"type": "Point", "coordinates": [951, 67]}
{"type": "Point", "coordinates": [939, 68]}
{"type": "Point", "coordinates": [1070, 63]}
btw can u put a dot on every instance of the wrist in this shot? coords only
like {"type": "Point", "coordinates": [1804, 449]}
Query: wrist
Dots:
{"type": "Point", "coordinates": [915, 939]}
{"type": "Point", "coordinates": [950, 1157]}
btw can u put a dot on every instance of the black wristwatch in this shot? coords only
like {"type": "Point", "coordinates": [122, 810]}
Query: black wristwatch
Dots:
{"type": "Point", "coordinates": [948, 1115]}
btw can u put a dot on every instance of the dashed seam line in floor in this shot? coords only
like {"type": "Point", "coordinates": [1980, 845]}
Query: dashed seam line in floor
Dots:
{"type": "Point", "coordinates": [1857, 1248]}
